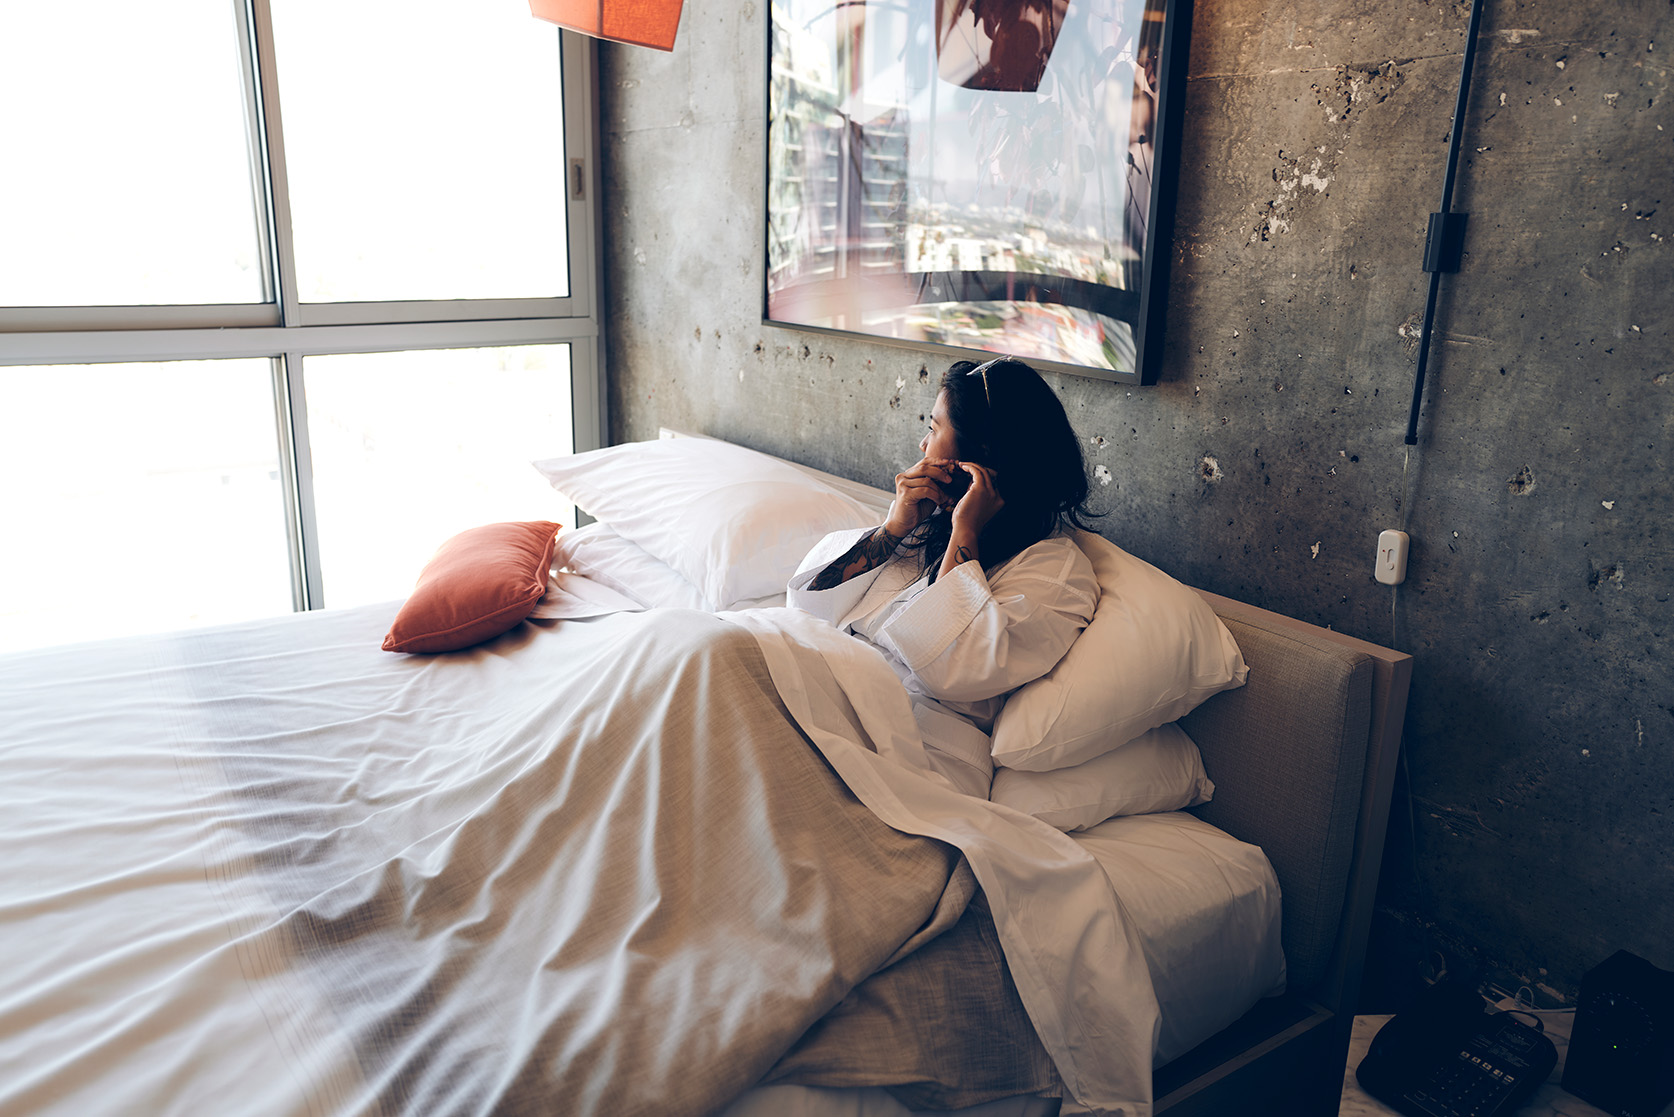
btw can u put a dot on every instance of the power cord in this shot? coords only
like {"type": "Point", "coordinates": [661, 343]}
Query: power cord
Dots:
{"type": "Point", "coordinates": [1407, 482]}
{"type": "Point", "coordinates": [1522, 1002]}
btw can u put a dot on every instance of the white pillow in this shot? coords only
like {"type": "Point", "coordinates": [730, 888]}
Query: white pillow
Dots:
{"type": "Point", "coordinates": [733, 522]}
{"type": "Point", "coordinates": [1153, 651]}
{"type": "Point", "coordinates": [1160, 770]}
{"type": "Point", "coordinates": [599, 553]}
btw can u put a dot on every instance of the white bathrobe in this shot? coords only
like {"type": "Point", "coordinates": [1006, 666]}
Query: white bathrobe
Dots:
{"type": "Point", "coordinates": [962, 644]}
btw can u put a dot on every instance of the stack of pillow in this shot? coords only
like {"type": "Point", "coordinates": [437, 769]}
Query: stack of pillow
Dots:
{"type": "Point", "coordinates": [699, 523]}
{"type": "Point", "coordinates": [1095, 737]}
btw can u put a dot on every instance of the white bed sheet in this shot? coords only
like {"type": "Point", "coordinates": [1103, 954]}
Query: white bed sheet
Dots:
{"type": "Point", "coordinates": [1206, 908]}
{"type": "Point", "coordinates": [271, 869]}
{"type": "Point", "coordinates": [105, 1006]}
{"type": "Point", "coordinates": [1079, 955]}
{"type": "Point", "coordinates": [1073, 951]}
{"type": "Point", "coordinates": [870, 1101]}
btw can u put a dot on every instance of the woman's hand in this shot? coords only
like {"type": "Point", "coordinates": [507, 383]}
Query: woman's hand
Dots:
{"type": "Point", "coordinates": [971, 514]}
{"type": "Point", "coordinates": [919, 491]}
{"type": "Point", "coordinates": [981, 502]}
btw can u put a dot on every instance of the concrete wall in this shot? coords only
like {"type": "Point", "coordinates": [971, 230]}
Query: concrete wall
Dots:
{"type": "Point", "coordinates": [1540, 750]}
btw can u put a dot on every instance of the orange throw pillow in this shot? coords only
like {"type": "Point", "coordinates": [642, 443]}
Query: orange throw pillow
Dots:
{"type": "Point", "coordinates": [477, 585]}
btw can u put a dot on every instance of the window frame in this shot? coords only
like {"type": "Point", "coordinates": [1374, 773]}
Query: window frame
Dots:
{"type": "Point", "coordinates": [285, 331]}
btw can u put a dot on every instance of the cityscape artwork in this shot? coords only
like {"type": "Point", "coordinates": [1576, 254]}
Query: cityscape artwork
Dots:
{"type": "Point", "coordinates": [987, 175]}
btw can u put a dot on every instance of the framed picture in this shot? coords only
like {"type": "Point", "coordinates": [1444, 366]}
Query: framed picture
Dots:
{"type": "Point", "coordinates": [981, 176]}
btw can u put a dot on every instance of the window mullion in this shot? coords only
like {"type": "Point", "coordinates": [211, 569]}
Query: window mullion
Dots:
{"type": "Point", "coordinates": [580, 120]}
{"type": "Point", "coordinates": [296, 466]}
{"type": "Point", "coordinates": [282, 252]}
{"type": "Point", "coordinates": [99, 346]}
{"type": "Point", "coordinates": [18, 322]}
{"type": "Point", "coordinates": [261, 204]}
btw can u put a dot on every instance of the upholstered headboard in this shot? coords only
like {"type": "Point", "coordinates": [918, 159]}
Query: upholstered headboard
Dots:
{"type": "Point", "coordinates": [1303, 759]}
{"type": "Point", "coordinates": [1286, 778]}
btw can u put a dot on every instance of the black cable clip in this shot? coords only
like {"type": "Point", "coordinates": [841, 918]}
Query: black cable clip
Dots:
{"type": "Point", "coordinates": [1444, 242]}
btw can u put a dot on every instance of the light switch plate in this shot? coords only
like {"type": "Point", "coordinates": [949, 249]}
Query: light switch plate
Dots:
{"type": "Point", "coordinates": [1391, 567]}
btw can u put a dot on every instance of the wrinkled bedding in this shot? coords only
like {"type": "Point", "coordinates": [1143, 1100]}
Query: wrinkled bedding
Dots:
{"type": "Point", "coordinates": [592, 867]}
{"type": "Point", "coordinates": [943, 1028]}
{"type": "Point", "coordinates": [257, 869]}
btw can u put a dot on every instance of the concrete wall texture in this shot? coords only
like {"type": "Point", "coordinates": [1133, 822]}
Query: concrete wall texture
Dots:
{"type": "Point", "coordinates": [1533, 828]}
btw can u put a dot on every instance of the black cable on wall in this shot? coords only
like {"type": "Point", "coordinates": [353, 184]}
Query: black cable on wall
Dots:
{"type": "Point", "coordinates": [1444, 243]}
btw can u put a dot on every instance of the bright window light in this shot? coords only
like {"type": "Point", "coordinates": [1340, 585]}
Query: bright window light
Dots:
{"type": "Point", "coordinates": [138, 498]}
{"type": "Point", "coordinates": [129, 178]}
{"type": "Point", "coordinates": [410, 449]}
{"type": "Point", "coordinates": [424, 148]}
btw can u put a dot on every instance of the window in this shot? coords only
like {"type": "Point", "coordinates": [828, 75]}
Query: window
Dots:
{"type": "Point", "coordinates": [385, 454]}
{"type": "Point", "coordinates": [140, 188]}
{"type": "Point", "coordinates": [292, 291]}
{"type": "Point", "coordinates": [127, 512]}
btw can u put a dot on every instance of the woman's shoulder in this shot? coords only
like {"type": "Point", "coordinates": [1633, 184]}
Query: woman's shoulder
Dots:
{"type": "Point", "coordinates": [1060, 544]}
{"type": "Point", "coordinates": [1057, 558]}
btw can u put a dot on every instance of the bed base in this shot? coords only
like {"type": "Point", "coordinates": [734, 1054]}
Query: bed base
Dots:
{"type": "Point", "coordinates": [1274, 1061]}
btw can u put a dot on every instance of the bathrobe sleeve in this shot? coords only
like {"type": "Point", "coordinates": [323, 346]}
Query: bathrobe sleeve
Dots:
{"type": "Point", "coordinates": [967, 640]}
{"type": "Point", "coordinates": [836, 603]}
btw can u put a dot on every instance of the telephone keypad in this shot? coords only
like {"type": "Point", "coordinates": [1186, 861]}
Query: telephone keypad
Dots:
{"type": "Point", "coordinates": [1468, 1086]}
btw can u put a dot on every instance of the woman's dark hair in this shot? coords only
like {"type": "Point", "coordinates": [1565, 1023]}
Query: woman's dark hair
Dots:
{"type": "Point", "coordinates": [1005, 417]}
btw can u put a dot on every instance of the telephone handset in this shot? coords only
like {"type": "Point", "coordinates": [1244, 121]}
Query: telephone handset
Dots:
{"type": "Point", "coordinates": [1447, 1057]}
{"type": "Point", "coordinates": [957, 484]}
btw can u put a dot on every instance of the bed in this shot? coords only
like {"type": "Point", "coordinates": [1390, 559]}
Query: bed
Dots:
{"type": "Point", "coordinates": [588, 825]}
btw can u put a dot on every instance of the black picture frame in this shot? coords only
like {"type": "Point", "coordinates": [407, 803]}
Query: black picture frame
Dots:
{"type": "Point", "coordinates": [977, 177]}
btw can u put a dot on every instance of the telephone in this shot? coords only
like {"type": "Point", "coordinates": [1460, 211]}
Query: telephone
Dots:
{"type": "Point", "coordinates": [958, 484]}
{"type": "Point", "coordinates": [1448, 1057]}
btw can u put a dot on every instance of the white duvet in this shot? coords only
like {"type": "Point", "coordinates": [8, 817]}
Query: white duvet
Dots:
{"type": "Point", "coordinates": [271, 869]}
{"type": "Point", "coordinates": [1073, 950]}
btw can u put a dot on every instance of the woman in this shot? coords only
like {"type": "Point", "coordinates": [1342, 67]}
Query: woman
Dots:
{"type": "Point", "coordinates": [972, 585]}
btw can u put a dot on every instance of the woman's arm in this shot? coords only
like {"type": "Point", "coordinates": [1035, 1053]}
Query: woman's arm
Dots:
{"type": "Point", "coordinates": [918, 493]}
{"type": "Point", "coordinates": [870, 550]}
{"type": "Point", "coordinates": [966, 639]}
{"type": "Point", "coordinates": [959, 551]}
{"type": "Point", "coordinates": [971, 514]}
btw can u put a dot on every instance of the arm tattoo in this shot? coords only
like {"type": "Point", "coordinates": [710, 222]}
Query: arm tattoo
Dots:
{"type": "Point", "coordinates": [954, 558]}
{"type": "Point", "coordinates": [872, 549]}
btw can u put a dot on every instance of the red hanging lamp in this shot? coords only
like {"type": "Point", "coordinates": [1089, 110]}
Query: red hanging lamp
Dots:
{"type": "Point", "coordinates": [646, 23]}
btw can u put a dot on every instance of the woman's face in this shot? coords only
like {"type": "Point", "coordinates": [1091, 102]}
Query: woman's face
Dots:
{"type": "Point", "coordinates": [939, 441]}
